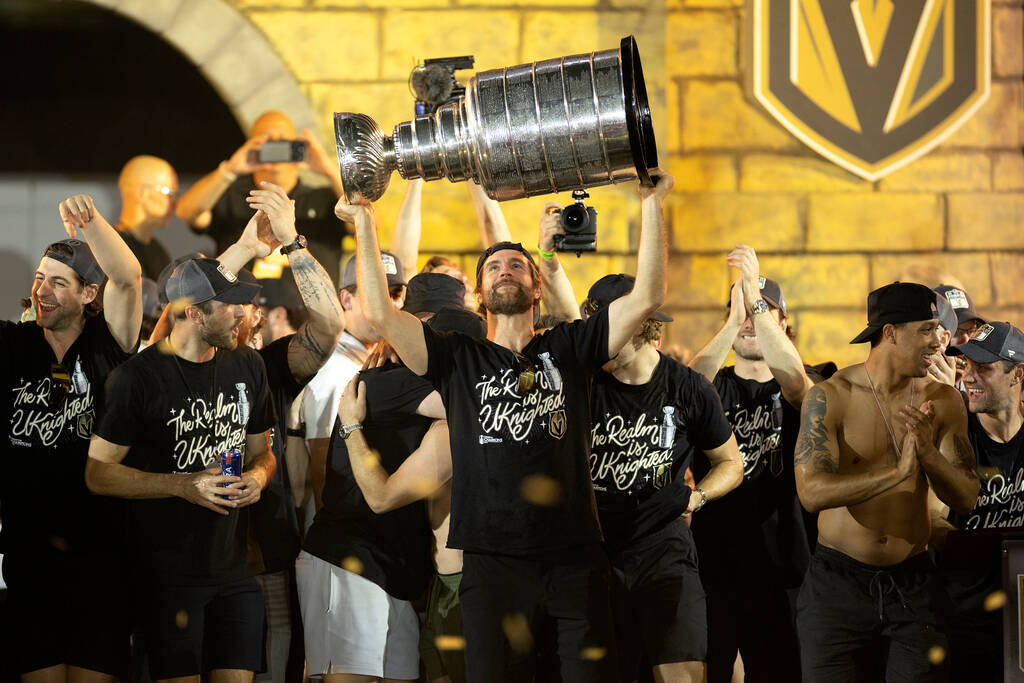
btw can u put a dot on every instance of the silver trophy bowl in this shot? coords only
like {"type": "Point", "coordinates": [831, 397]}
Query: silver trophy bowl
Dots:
{"type": "Point", "coordinates": [558, 124]}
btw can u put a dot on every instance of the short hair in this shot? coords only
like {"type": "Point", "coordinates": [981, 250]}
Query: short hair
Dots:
{"type": "Point", "coordinates": [650, 331]}
{"type": "Point", "coordinates": [179, 312]}
{"type": "Point", "coordinates": [876, 336]}
{"type": "Point", "coordinates": [1008, 365]}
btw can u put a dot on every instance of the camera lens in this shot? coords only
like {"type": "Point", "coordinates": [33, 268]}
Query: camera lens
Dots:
{"type": "Point", "coordinates": [575, 218]}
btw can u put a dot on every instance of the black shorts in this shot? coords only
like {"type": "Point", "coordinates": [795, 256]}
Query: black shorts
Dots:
{"type": "Point", "coordinates": [508, 603]}
{"type": "Point", "coordinates": [191, 630]}
{"type": "Point", "coordinates": [68, 608]}
{"type": "Point", "coordinates": [860, 622]}
{"type": "Point", "coordinates": [658, 601]}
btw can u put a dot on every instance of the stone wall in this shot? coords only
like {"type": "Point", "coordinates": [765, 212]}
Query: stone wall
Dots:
{"type": "Point", "coordinates": [825, 234]}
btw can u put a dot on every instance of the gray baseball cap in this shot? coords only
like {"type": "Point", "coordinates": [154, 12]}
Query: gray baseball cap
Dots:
{"type": "Point", "coordinates": [991, 342]}
{"type": "Point", "coordinates": [205, 279]}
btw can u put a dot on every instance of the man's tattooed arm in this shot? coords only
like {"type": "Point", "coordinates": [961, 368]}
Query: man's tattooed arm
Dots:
{"type": "Point", "coordinates": [313, 343]}
{"type": "Point", "coordinates": [812, 443]}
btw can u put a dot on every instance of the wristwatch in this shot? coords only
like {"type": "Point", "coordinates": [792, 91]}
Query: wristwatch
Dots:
{"type": "Point", "coordinates": [759, 306]}
{"type": "Point", "coordinates": [703, 498]}
{"type": "Point", "coordinates": [346, 431]}
{"type": "Point", "coordinates": [299, 243]}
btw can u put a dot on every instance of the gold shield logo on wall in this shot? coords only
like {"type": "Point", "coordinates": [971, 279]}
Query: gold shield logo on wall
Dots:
{"type": "Point", "coordinates": [871, 85]}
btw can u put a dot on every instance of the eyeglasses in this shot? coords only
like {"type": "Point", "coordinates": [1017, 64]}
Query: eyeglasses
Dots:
{"type": "Point", "coordinates": [165, 190]}
{"type": "Point", "coordinates": [60, 386]}
{"type": "Point", "coordinates": [527, 374]}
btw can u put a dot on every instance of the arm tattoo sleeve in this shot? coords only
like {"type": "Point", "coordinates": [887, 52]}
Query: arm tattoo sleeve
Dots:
{"type": "Point", "coordinates": [964, 456]}
{"type": "Point", "coordinates": [813, 440]}
{"type": "Point", "coordinates": [308, 341]}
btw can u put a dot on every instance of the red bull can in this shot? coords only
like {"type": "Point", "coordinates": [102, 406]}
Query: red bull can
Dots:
{"type": "Point", "coordinates": [231, 463]}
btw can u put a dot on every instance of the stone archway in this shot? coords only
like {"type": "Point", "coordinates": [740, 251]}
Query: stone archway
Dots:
{"type": "Point", "coordinates": [230, 52]}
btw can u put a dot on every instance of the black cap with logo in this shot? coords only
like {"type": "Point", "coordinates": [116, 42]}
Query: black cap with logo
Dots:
{"type": "Point", "coordinates": [991, 342]}
{"type": "Point", "coordinates": [899, 302]}
{"type": "Point", "coordinates": [611, 287]}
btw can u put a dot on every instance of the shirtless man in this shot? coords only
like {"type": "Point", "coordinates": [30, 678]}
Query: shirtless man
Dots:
{"type": "Point", "coordinates": [873, 439]}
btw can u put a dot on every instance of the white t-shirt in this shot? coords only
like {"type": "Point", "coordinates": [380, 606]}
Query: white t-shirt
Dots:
{"type": "Point", "coordinates": [323, 393]}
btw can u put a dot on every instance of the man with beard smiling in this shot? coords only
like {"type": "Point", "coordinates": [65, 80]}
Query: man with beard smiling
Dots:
{"type": "Point", "coordinates": [874, 440]}
{"type": "Point", "coordinates": [169, 413]}
{"type": "Point", "coordinates": [61, 561]}
{"type": "Point", "coordinates": [751, 579]}
{"type": "Point", "coordinates": [518, 407]}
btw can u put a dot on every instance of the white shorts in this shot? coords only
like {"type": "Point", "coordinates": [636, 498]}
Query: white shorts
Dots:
{"type": "Point", "coordinates": [352, 626]}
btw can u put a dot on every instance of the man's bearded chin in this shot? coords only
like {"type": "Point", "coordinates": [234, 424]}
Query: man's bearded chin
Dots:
{"type": "Point", "coordinates": [510, 302]}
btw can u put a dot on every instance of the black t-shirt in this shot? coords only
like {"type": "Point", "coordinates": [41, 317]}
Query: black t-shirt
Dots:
{"type": "Point", "coordinates": [314, 218]}
{"type": "Point", "coordinates": [152, 257]}
{"type": "Point", "coordinates": [275, 521]}
{"type": "Point", "coordinates": [639, 482]}
{"type": "Point", "coordinates": [759, 525]}
{"type": "Point", "coordinates": [507, 443]}
{"type": "Point", "coordinates": [393, 548]}
{"type": "Point", "coordinates": [43, 497]}
{"type": "Point", "coordinates": [178, 416]}
{"type": "Point", "coordinates": [1001, 470]}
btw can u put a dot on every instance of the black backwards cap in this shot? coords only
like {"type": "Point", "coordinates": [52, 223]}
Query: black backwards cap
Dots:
{"type": "Point", "coordinates": [246, 277]}
{"type": "Point", "coordinates": [205, 279]}
{"type": "Point", "coordinates": [430, 292]}
{"type": "Point", "coordinates": [280, 291]}
{"type": "Point", "coordinates": [77, 255]}
{"type": "Point", "coordinates": [611, 287]}
{"type": "Point", "coordinates": [991, 342]}
{"type": "Point", "coordinates": [899, 302]}
{"type": "Point", "coordinates": [501, 246]}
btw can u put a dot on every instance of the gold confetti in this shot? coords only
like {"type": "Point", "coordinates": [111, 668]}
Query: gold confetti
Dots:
{"type": "Point", "coordinates": [988, 473]}
{"type": "Point", "coordinates": [181, 619]}
{"type": "Point", "coordinates": [178, 306]}
{"type": "Point", "coordinates": [517, 630]}
{"type": "Point", "coordinates": [936, 655]}
{"type": "Point", "coordinates": [370, 461]}
{"type": "Point", "coordinates": [450, 643]}
{"type": "Point", "coordinates": [352, 564]}
{"type": "Point", "coordinates": [593, 654]}
{"type": "Point", "coordinates": [164, 345]}
{"type": "Point", "coordinates": [995, 600]}
{"type": "Point", "coordinates": [540, 489]}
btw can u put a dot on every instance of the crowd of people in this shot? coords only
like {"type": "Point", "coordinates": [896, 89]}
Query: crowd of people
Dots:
{"type": "Point", "coordinates": [451, 478]}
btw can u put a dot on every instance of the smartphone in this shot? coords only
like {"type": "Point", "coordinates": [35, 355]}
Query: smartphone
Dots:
{"type": "Point", "coordinates": [279, 152]}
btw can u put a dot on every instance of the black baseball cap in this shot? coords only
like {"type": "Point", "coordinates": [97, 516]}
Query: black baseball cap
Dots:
{"type": "Point", "coordinates": [430, 292]}
{"type": "Point", "coordinates": [898, 302]}
{"type": "Point", "coordinates": [947, 316]}
{"type": "Point", "coordinates": [205, 279]}
{"type": "Point", "coordinates": [961, 303]}
{"type": "Point", "coordinates": [458, 319]}
{"type": "Point", "coordinates": [280, 291]}
{"type": "Point", "coordinates": [392, 268]}
{"type": "Point", "coordinates": [165, 274]}
{"type": "Point", "coordinates": [77, 255]}
{"type": "Point", "coordinates": [991, 342]}
{"type": "Point", "coordinates": [501, 246]}
{"type": "Point", "coordinates": [611, 287]}
{"type": "Point", "coordinates": [771, 292]}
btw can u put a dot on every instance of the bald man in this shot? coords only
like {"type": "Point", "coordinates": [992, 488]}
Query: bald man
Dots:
{"type": "Point", "coordinates": [216, 205]}
{"type": "Point", "coordinates": [149, 188]}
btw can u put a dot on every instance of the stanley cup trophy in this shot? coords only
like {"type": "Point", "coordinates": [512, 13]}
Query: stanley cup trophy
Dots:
{"type": "Point", "coordinates": [558, 124]}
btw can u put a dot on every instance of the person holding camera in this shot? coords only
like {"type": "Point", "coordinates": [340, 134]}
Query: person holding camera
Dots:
{"type": "Point", "coordinates": [522, 508]}
{"type": "Point", "coordinates": [216, 204]}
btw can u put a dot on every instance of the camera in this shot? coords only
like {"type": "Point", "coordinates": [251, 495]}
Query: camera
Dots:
{"type": "Point", "coordinates": [433, 82]}
{"type": "Point", "coordinates": [580, 224]}
{"type": "Point", "coordinates": [279, 152]}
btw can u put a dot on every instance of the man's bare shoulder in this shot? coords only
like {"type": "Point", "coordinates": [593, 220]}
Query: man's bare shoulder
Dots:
{"type": "Point", "coordinates": [947, 401]}
{"type": "Point", "coordinates": [840, 385]}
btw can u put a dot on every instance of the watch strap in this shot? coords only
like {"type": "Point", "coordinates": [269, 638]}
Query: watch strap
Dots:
{"type": "Point", "coordinates": [347, 430]}
{"type": "Point", "coordinates": [299, 243]}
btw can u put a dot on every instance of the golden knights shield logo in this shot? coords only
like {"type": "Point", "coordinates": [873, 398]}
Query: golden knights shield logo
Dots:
{"type": "Point", "coordinates": [557, 424]}
{"type": "Point", "coordinates": [871, 85]}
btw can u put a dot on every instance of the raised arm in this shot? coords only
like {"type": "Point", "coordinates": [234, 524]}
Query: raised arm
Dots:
{"type": "Point", "coordinates": [490, 219]}
{"type": "Point", "coordinates": [557, 293]}
{"type": "Point", "coordinates": [421, 474]}
{"type": "Point", "coordinates": [402, 330]}
{"type": "Point", "coordinates": [405, 241]}
{"type": "Point", "coordinates": [195, 206]}
{"type": "Point", "coordinates": [312, 345]}
{"type": "Point", "coordinates": [627, 313]}
{"type": "Point", "coordinates": [950, 466]}
{"type": "Point", "coordinates": [122, 295]}
{"type": "Point", "coordinates": [818, 482]}
{"type": "Point", "coordinates": [779, 353]}
{"type": "Point", "coordinates": [709, 360]}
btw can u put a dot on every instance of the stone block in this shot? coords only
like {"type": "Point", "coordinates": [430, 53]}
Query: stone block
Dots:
{"type": "Point", "coordinates": [690, 331]}
{"type": "Point", "coordinates": [200, 28]}
{"type": "Point", "coordinates": [1007, 279]}
{"type": "Point", "coordinates": [389, 4]}
{"type": "Point", "coordinates": [1007, 44]}
{"type": "Point", "coordinates": [243, 66]}
{"type": "Point", "coordinates": [688, 4]}
{"type": "Point", "coordinates": [1008, 171]}
{"type": "Point", "coordinates": [991, 221]}
{"type": "Point", "coordinates": [673, 115]}
{"type": "Point", "coordinates": [716, 115]}
{"type": "Point", "coordinates": [1013, 314]}
{"type": "Point", "coordinates": [319, 46]}
{"type": "Point", "coordinates": [387, 103]}
{"type": "Point", "coordinates": [284, 95]}
{"type": "Point", "coordinates": [701, 43]}
{"type": "Point", "coordinates": [874, 221]}
{"type": "Point", "coordinates": [492, 36]}
{"type": "Point", "coordinates": [529, 4]}
{"type": "Point", "coordinates": [968, 270]}
{"type": "Point", "coordinates": [554, 34]}
{"type": "Point", "coordinates": [589, 268]}
{"type": "Point", "coordinates": [155, 15]}
{"type": "Point", "coordinates": [717, 222]}
{"type": "Point", "coordinates": [817, 280]}
{"type": "Point", "coordinates": [263, 4]}
{"type": "Point", "coordinates": [825, 336]}
{"type": "Point", "coordinates": [938, 172]}
{"type": "Point", "coordinates": [703, 173]}
{"type": "Point", "coordinates": [997, 123]}
{"type": "Point", "coordinates": [697, 281]}
{"type": "Point", "coordinates": [778, 173]}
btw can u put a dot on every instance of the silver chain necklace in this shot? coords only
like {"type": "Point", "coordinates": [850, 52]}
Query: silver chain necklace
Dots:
{"type": "Point", "coordinates": [892, 434]}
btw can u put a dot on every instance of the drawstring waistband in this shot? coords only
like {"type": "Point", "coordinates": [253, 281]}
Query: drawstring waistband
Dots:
{"type": "Point", "coordinates": [883, 583]}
